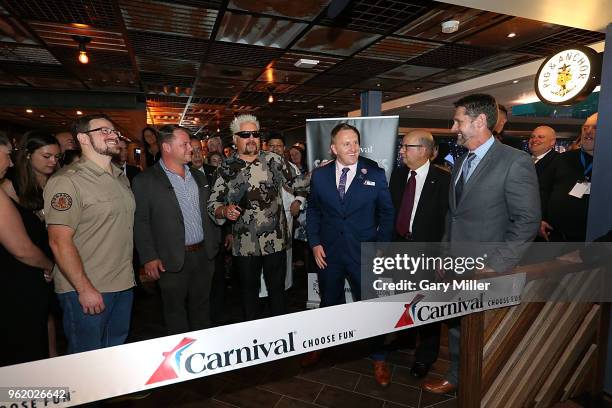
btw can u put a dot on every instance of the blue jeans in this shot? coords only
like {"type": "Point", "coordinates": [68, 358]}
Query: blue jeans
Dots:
{"type": "Point", "coordinates": [91, 332]}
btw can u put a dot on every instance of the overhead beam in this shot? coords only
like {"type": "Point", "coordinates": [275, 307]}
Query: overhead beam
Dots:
{"type": "Point", "coordinates": [19, 97]}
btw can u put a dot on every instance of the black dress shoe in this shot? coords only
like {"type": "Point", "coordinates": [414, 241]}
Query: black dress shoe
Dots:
{"type": "Point", "coordinates": [419, 370]}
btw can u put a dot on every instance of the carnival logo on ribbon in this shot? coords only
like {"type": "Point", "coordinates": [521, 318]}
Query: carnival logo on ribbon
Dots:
{"type": "Point", "coordinates": [407, 317]}
{"type": "Point", "coordinates": [170, 366]}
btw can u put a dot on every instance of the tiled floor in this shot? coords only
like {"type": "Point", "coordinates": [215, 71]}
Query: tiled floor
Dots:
{"type": "Point", "coordinates": [343, 377]}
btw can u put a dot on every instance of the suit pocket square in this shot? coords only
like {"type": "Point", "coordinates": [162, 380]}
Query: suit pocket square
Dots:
{"type": "Point", "coordinates": [369, 183]}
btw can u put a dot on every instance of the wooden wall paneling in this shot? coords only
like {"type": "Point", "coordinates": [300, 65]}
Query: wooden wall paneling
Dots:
{"type": "Point", "coordinates": [541, 362]}
{"type": "Point", "coordinates": [585, 366]}
{"type": "Point", "coordinates": [501, 350]}
{"type": "Point", "coordinates": [503, 382]}
{"type": "Point", "coordinates": [500, 333]}
{"type": "Point", "coordinates": [602, 344]}
{"type": "Point", "coordinates": [492, 319]}
{"type": "Point", "coordinates": [470, 362]}
{"type": "Point", "coordinates": [574, 350]}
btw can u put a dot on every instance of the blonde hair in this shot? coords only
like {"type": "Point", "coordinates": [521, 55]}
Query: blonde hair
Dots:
{"type": "Point", "coordinates": [239, 120]}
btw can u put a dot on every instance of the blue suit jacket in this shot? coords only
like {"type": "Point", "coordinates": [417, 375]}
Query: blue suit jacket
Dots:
{"type": "Point", "coordinates": [365, 215]}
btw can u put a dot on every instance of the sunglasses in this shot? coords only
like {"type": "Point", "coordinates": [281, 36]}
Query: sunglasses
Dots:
{"type": "Point", "coordinates": [245, 134]}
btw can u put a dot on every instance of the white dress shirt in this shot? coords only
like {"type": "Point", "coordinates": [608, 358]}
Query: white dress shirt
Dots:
{"type": "Point", "coordinates": [537, 158]}
{"type": "Point", "coordinates": [421, 175]}
{"type": "Point", "coordinates": [349, 176]}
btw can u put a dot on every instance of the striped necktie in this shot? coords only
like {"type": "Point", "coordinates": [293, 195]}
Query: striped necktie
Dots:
{"type": "Point", "coordinates": [342, 183]}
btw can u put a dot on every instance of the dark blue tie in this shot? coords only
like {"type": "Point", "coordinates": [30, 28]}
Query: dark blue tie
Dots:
{"type": "Point", "coordinates": [342, 183]}
{"type": "Point", "coordinates": [463, 178]}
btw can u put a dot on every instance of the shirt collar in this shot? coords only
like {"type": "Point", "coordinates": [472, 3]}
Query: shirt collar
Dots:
{"type": "Point", "coordinates": [167, 170]}
{"type": "Point", "coordinates": [422, 170]}
{"type": "Point", "coordinates": [543, 154]}
{"type": "Point", "coordinates": [352, 167]}
{"type": "Point", "coordinates": [481, 150]}
{"type": "Point", "coordinates": [97, 170]}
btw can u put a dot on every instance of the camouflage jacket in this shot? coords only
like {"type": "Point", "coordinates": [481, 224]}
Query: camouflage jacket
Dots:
{"type": "Point", "coordinates": [256, 188]}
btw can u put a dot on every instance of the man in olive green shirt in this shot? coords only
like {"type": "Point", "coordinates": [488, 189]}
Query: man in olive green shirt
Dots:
{"type": "Point", "coordinates": [89, 210]}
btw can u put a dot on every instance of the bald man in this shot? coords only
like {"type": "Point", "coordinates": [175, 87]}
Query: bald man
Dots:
{"type": "Point", "coordinates": [565, 189]}
{"type": "Point", "coordinates": [542, 147]}
{"type": "Point", "coordinates": [419, 192]}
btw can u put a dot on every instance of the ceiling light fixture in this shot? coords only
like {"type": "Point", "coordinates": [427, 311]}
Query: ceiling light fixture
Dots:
{"type": "Point", "coordinates": [450, 26]}
{"type": "Point", "coordinates": [83, 58]}
{"type": "Point", "coordinates": [29, 110]}
{"type": "Point", "coordinates": [511, 35]}
{"type": "Point", "coordinates": [270, 95]}
{"type": "Point", "coordinates": [79, 112]}
{"type": "Point", "coordinates": [516, 81]}
{"type": "Point", "coordinates": [306, 63]}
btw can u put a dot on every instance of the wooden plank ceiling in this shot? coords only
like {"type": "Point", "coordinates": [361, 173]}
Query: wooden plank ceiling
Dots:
{"type": "Point", "coordinates": [200, 62]}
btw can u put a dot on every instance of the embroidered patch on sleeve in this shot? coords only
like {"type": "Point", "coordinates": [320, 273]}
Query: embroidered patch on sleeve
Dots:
{"type": "Point", "coordinates": [61, 202]}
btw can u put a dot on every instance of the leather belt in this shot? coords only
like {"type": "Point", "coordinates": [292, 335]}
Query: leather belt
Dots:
{"type": "Point", "coordinates": [194, 247]}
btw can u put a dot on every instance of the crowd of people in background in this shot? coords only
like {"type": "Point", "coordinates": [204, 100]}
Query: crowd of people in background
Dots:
{"type": "Point", "coordinates": [83, 222]}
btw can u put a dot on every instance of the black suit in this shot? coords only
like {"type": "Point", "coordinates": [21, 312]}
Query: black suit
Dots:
{"type": "Point", "coordinates": [131, 172]}
{"type": "Point", "coordinates": [160, 234]}
{"type": "Point", "coordinates": [427, 226]}
{"type": "Point", "coordinates": [566, 214]}
{"type": "Point", "coordinates": [542, 164]}
{"type": "Point", "coordinates": [542, 167]}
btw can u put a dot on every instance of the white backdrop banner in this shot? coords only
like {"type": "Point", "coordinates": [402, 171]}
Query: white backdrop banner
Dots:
{"type": "Point", "coordinates": [114, 371]}
{"type": "Point", "coordinates": [378, 139]}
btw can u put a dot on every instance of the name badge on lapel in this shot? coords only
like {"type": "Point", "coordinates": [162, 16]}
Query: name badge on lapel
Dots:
{"type": "Point", "coordinates": [369, 183]}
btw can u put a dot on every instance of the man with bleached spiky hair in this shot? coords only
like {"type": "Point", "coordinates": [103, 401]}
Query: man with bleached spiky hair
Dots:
{"type": "Point", "coordinates": [248, 194]}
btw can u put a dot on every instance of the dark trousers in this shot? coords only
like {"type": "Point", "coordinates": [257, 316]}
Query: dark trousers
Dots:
{"type": "Point", "coordinates": [331, 287]}
{"type": "Point", "coordinates": [186, 294]}
{"type": "Point", "coordinates": [331, 282]}
{"type": "Point", "coordinates": [249, 269]}
{"type": "Point", "coordinates": [217, 292]}
{"type": "Point", "coordinates": [428, 346]}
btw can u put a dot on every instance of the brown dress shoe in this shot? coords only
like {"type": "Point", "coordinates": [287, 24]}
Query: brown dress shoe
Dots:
{"type": "Point", "coordinates": [439, 386]}
{"type": "Point", "coordinates": [382, 373]}
{"type": "Point", "coordinates": [310, 359]}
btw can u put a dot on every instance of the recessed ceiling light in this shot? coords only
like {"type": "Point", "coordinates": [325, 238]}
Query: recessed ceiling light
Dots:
{"type": "Point", "coordinates": [306, 63]}
{"type": "Point", "coordinates": [378, 84]}
{"type": "Point", "coordinates": [516, 81]}
{"type": "Point", "coordinates": [320, 106]}
{"type": "Point", "coordinates": [407, 106]}
{"type": "Point", "coordinates": [450, 26]}
{"type": "Point", "coordinates": [29, 110]}
{"type": "Point", "coordinates": [79, 113]}
{"type": "Point", "coordinates": [511, 35]}
{"type": "Point", "coordinates": [42, 116]}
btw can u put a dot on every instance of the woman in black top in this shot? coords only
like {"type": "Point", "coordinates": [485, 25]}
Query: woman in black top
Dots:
{"type": "Point", "coordinates": [23, 267]}
{"type": "Point", "coordinates": [149, 138]}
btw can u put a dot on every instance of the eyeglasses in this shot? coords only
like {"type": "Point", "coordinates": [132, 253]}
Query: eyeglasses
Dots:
{"type": "Point", "coordinates": [245, 134]}
{"type": "Point", "coordinates": [406, 146]}
{"type": "Point", "coordinates": [105, 131]}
